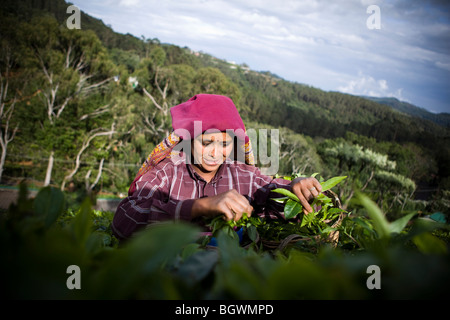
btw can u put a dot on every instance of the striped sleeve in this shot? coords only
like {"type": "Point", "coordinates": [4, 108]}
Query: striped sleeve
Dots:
{"type": "Point", "coordinates": [150, 202]}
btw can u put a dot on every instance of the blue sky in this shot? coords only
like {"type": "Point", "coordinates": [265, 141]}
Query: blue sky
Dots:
{"type": "Point", "coordinates": [325, 44]}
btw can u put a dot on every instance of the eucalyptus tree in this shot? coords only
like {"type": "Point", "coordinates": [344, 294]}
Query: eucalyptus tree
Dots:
{"type": "Point", "coordinates": [68, 66]}
{"type": "Point", "coordinates": [8, 100]}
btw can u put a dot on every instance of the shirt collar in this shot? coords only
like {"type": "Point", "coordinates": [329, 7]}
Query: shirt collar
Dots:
{"type": "Point", "coordinates": [219, 174]}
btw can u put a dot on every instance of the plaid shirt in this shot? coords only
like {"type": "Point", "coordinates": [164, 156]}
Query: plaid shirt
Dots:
{"type": "Point", "coordinates": [168, 191]}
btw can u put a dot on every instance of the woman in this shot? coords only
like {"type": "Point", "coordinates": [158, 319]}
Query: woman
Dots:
{"type": "Point", "coordinates": [203, 169]}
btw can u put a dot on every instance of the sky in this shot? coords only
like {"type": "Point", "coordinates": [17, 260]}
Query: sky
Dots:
{"type": "Point", "coordinates": [379, 48]}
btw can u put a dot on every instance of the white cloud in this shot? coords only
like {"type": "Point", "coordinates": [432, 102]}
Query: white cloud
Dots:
{"type": "Point", "coordinates": [369, 86]}
{"type": "Point", "coordinates": [443, 65]}
{"type": "Point", "coordinates": [129, 3]}
{"type": "Point", "coordinates": [316, 42]}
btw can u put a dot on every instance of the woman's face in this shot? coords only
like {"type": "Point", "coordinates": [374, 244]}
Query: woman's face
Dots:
{"type": "Point", "coordinates": [211, 149]}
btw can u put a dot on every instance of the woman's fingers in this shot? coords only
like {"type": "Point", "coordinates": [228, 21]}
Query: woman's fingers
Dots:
{"type": "Point", "coordinates": [306, 190]}
{"type": "Point", "coordinates": [240, 206]}
{"type": "Point", "coordinates": [304, 197]}
{"type": "Point", "coordinates": [234, 205]}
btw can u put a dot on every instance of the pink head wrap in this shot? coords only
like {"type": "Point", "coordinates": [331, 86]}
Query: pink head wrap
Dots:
{"type": "Point", "coordinates": [212, 112]}
{"type": "Point", "coordinates": [207, 111]}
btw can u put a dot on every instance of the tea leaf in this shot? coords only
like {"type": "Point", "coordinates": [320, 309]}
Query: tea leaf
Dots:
{"type": "Point", "coordinates": [82, 223]}
{"type": "Point", "coordinates": [280, 200]}
{"type": "Point", "coordinates": [380, 223]}
{"type": "Point", "coordinates": [429, 244]}
{"type": "Point", "coordinates": [252, 233]}
{"type": "Point", "coordinates": [327, 185]}
{"type": "Point", "coordinates": [292, 208]}
{"type": "Point", "coordinates": [398, 225]}
{"type": "Point", "coordinates": [286, 193]}
{"type": "Point", "coordinates": [49, 203]}
{"type": "Point", "coordinates": [308, 219]}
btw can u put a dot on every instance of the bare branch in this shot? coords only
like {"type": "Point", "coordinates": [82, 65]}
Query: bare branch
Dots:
{"type": "Point", "coordinates": [95, 85]}
{"type": "Point", "coordinates": [95, 113]}
{"type": "Point", "coordinates": [153, 99]}
{"type": "Point", "coordinates": [85, 145]}
{"type": "Point", "coordinates": [69, 51]}
{"type": "Point", "coordinates": [61, 108]}
{"type": "Point", "coordinates": [99, 174]}
{"type": "Point", "coordinates": [48, 75]}
{"type": "Point", "coordinates": [81, 63]}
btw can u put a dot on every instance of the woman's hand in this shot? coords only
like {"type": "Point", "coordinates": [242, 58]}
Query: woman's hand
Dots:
{"type": "Point", "coordinates": [230, 203]}
{"type": "Point", "coordinates": [306, 189]}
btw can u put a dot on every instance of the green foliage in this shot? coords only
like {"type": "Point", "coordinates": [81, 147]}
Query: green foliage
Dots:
{"type": "Point", "coordinates": [165, 261]}
{"type": "Point", "coordinates": [360, 135]}
{"type": "Point", "coordinates": [385, 154]}
{"type": "Point", "coordinates": [326, 211]}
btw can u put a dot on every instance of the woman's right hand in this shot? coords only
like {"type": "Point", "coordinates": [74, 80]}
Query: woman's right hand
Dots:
{"type": "Point", "coordinates": [230, 203]}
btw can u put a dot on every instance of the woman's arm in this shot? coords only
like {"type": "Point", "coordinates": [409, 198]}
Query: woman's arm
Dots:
{"type": "Point", "coordinates": [149, 202]}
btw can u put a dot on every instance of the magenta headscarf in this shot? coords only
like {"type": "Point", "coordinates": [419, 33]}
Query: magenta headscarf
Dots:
{"type": "Point", "coordinates": [214, 112]}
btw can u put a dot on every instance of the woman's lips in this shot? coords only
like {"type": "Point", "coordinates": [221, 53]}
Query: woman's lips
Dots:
{"type": "Point", "coordinates": [211, 162]}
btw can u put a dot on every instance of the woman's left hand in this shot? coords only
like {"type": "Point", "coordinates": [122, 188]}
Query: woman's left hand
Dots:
{"type": "Point", "coordinates": [306, 189]}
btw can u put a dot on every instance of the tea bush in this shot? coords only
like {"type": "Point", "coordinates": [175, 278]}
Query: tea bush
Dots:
{"type": "Point", "coordinates": [40, 239]}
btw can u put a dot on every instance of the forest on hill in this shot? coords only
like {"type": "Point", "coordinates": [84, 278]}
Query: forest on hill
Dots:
{"type": "Point", "coordinates": [82, 108]}
{"type": "Point", "coordinates": [442, 119]}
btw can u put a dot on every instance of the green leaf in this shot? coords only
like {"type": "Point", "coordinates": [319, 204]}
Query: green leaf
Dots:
{"type": "Point", "coordinates": [429, 244]}
{"type": "Point", "coordinates": [308, 219]}
{"type": "Point", "coordinates": [292, 208]}
{"type": "Point", "coordinates": [197, 266]}
{"type": "Point", "coordinates": [398, 225]}
{"type": "Point", "coordinates": [380, 223]}
{"type": "Point", "coordinates": [82, 223]}
{"type": "Point", "coordinates": [49, 203]}
{"type": "Point", "coordinates": [329, 229]}
{"type": "Point", "coordinates": [321, 198]}
{"type": "Point", "coordinates": [189, 250]}
{"type": "Point", "coordinates": [280, 200]}
{"type": "Point", "coordinates": [327, 185]}
{"type": "Point", "coordinates": [252, 233]}
{"type": "Point", "coordinates": [287, 193]}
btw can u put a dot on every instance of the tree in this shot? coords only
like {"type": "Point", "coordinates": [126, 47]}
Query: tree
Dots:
{"type": "Point", "coordinates": [69, 65]}
{"type": "Point", "coordinates": [7, 102]}
{"type": "Point", "coordinates": [360, 164]}
{"type": "Point", "coordinates": [395, 186]}
{"type": "Point", "coordinates": [212, 80]}
{"type": "Point", "coordinates": [92, 135]}
{"type": "Point", "coordinates": [154, 84]}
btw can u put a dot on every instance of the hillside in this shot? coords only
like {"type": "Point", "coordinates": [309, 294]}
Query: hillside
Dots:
{"type": "Point", "coordinates": [442, 119]}
{"type": "Point", "coordinates": [269, 98]}
{"type": "Point", "coordinates": [321, 131]}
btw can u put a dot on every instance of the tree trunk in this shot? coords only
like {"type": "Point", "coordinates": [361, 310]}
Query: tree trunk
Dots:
{"type": "Point", "coordinates": [2, 161]}
{"type": "Point", "coordinates": [48, 175]}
